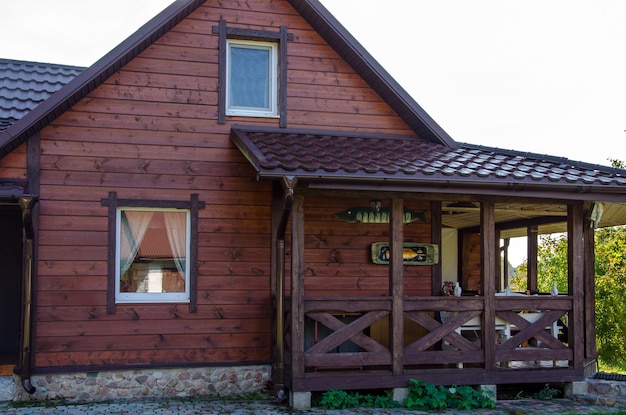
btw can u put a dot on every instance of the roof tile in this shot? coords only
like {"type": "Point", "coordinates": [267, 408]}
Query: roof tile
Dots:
{"type": "Point", "coordinates": [24, 85]}
{"type": "Point", "coordinates": [369, 156]}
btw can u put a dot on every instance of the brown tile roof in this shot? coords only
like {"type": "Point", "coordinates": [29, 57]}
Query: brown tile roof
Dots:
{"type": "Point", "coordinates": [90, 78]}
{"type": "Point", "coordinates": [339, 155]}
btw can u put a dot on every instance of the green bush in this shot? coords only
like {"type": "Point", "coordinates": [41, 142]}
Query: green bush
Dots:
{"type": "Point", "coordinates": [427, 397]}
{"type": "Point", "coordinates": [338, 399]}
{"type": "Point", "coordinates": [422, 396]}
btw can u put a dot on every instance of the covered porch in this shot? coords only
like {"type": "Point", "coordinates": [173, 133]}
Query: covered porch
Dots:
{"type": "Point", "coordinates": [343, 341]}
{"type": "Point", "coordinates": [346, 318]}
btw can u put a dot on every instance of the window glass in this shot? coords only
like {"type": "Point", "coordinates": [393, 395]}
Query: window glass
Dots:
{"type": "Point", "coordinates": [251, 78]}
{"type": "Point", "coordinates": [152, 255]}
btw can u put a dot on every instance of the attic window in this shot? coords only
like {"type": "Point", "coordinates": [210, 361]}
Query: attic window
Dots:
{"type": "Point", "coordinates": [252, 72]}
{"type": "Point", "coordinates": [251, 78]}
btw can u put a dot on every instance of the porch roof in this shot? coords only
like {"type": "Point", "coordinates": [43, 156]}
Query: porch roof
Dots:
{"type": "Point", "coordinates": [357, 157]}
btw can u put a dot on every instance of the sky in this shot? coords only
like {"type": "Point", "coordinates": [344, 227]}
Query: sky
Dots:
{"type": "Point", "coordinates": [543, 76]}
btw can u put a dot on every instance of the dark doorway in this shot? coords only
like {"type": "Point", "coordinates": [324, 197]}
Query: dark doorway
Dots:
{"type": "Point", "coordinates": [11, 283]}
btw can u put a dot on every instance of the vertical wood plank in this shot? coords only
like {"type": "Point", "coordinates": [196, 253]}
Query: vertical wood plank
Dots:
{"type": "Point", "coordinates": [503, 280]}
{"type": "Point", "coordinates": [33, 163]}
{"type": "Point", "coordinates": [532, 239]}
{"type": "Point", "coordinates": [591, 351]}
{"type": "Point", "coordinates": [221, 81]}
{"type": "Point", "coordinates": [275, 219]}
{"type": "Point", "coordinates": [194, 205]}
{"type": "Point", "coordinates": [488, 249]}
{"type": "Point", "coordinates": [282, 88]}
{"type": "Point", "coordinates": [435, 237]}
{"type": "Point", "coordinates": [396, 268]}
{"type": "Point", "coordinates": [576, 281]}
{"type": "Point", "coordinates": [112, 203]}
{"type": "Point", "coordinates": [297, 287]}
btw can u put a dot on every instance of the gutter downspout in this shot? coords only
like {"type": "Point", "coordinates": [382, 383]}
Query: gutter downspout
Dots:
{"type": "Point", "coordinates": [279, 387]}
{"type": "Point", "coordinates": [26, 204]}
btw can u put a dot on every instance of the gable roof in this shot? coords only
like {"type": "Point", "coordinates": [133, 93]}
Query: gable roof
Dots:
{"type": "Point", "coordinates": [93, 76]}
{"type": "Point", "coordinates": [24, 85]}
{"type": "Point", "coordinates": [311, 10]}
{"type": "Point", "coordinates": [412, 164]}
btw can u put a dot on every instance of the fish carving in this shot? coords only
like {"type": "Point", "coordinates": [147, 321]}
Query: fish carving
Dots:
{"type": "Point", "coordinates": [408, 254]}
{"type": "Point", "coordinates": [368, 215]}
{"type": "Point", "coordinates": [413, 253]}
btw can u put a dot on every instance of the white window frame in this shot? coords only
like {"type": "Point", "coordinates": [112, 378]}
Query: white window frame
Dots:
{"type": "Point", "coordinates": [167, 297]}
{"type": "Point", "coordinates": [272, 109]}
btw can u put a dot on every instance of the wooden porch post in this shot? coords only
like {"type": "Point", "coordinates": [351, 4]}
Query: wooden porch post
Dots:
{"type": "Point", "coordinates": [281, 209]}
{"type": "Point", "coordinates": [591, 351]}
{"type": "Point", "coordinates": [435, 237]}
{"type": "Point", "coordinates": [488, 249]}
{"type": "Point", "coordinates": [575, 282]}
{"type": "Point", "coordinates": [503, 280]}
{"type": "Point", "coordinates": [396, 266]}
{"type": "Point", "coordinates": [297, 287]}
{"type": "Point", "coordinates": [532, 244]}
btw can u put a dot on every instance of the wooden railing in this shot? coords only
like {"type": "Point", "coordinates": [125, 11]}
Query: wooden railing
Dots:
{"type": "Point", "coordinates": [442, 317]}
{"type": "Point", "coordinates": [367, 312]}
{"type": "Point", "coordinates": [539, 329]}
{"type": "Point", "coordinates": [529, 329]}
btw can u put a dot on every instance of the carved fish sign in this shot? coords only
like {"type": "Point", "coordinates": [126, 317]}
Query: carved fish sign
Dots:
{"type": "Point", "coordinates": [368, 215]}
{"type": "Point", "coordinates": [412, 253]}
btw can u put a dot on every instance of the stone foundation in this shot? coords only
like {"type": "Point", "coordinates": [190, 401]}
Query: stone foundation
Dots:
{"type": "Point", "coordinates": [144, 383]}
{"type": "Point", "coordinates": [601, 392]}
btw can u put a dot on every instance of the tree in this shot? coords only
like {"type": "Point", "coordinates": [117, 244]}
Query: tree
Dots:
{"type": "Point", "coordinates": [610, 272]}
{"type": "Point", "coordinates": [610, 283]}
{"type": "Point", "coordinates": [551, 265]}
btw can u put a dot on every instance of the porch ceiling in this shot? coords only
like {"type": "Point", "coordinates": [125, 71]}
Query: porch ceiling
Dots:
{"type": "Point", "coordinates": [546, 216]}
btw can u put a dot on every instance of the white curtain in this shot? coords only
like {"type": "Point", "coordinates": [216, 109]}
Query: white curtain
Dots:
{"type": "Point", "coordinates": [176, 225]}
{"type": "Point", "coordinates": [134, 225]}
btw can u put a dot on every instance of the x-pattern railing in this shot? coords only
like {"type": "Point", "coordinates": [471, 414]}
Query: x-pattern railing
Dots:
{"type": "Point", "coordinates": [443, 340]}
{"type": "Point", "coordinates": [323, 352]}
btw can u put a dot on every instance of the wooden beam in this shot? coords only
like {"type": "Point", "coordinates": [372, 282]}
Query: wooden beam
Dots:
{"type": "Point", "coordinates": [435, 237]}
{"type": "Point", "coordinates": [591, 351]}
{"type": "Point", "coordinates": [501, 267]}
{"type": "Point", "coordinates": [575, 283]}
{"type": "Point", "coordinates": [112, 241]}
{"type": "Point", "coordinates": [277, 203]}
{"type": "Point", "coordinates": [488, 249]}
{"type": "Point", "coordinates": [275, 292]}
{"type": "Point", "coordinates": [297, 287]}
{"type": "Point", "coordinates": [194, 205]}
{"type": "Point", "coordinates": [532, 242]}
{"type": "Point", "coordinates": [505, 261]}
{"type": "Point", "coordinates": [396, 268]}
{"type": "Point", "coordinates": [334, 190]}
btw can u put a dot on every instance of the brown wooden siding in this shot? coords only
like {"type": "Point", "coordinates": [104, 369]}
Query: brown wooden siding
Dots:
{"type": "Point", "coordinates": [13, 166]}
{"type": "Point", "coordinates": [338, 259]}
{"type": "Point", "coordinates": [470, 262]}
{"type": "Point", "coordinates": [150, 132]}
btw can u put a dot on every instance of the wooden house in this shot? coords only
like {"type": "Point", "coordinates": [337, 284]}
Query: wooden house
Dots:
{"type": "Point", "coordinates": [240, 184]}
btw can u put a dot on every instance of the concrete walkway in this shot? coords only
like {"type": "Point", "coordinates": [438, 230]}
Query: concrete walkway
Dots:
{"type": "Point", "coordinates": [216, 407]}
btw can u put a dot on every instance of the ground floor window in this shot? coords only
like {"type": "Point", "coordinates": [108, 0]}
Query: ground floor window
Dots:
{"type": "Point", "coordinates": [153, 251]}
{"type": "Point", "coordinates": [152, 255]}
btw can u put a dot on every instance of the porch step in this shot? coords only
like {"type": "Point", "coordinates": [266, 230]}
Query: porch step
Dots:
{"type": "Point", "coordinates": [7, 363]}
{"type": "Point", "coordinates": [6, 370]}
